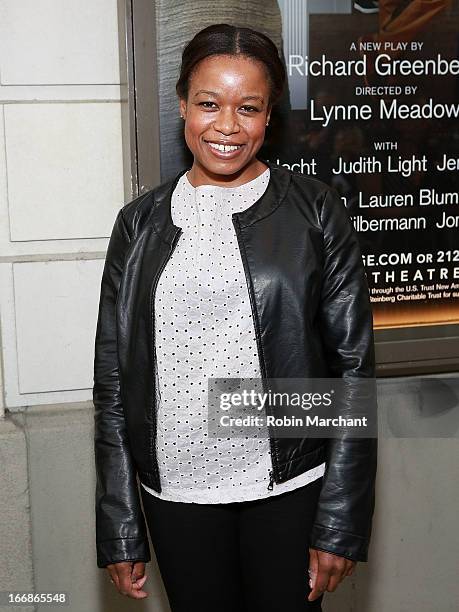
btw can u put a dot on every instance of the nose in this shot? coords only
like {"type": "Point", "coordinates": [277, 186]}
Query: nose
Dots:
{"type": "Point", "coordinates": [226, 122]}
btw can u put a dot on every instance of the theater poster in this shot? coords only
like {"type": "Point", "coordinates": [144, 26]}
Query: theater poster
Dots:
{"type": "Point", "coordinates": [371, 108]}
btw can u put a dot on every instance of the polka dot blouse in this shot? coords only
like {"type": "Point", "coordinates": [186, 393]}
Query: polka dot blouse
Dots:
{"type": "Point", "coordinates": [204, 328]}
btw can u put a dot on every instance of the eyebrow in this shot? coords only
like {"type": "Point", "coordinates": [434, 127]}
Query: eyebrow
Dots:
{"type": "Point", "coordinates": [213, 93]}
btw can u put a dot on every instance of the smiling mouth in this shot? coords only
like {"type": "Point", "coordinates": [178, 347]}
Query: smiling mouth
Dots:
{"type": "Point", "coordinates": [224, 148]}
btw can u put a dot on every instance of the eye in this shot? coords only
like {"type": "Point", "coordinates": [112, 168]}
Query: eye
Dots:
{"type": "Point", "coordinates": [250, 109]}
{"type": "Point", "coordinates": [207, 104]}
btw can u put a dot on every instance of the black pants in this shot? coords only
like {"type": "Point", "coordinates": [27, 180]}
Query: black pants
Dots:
{"type": "Point", "coordinates": [239, 557]}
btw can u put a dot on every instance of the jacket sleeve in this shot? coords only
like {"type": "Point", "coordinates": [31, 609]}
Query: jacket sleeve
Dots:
{"type": "Point", "coordinates": [345, 509]}
{"type": "Point", "coordinates": [120, 524]}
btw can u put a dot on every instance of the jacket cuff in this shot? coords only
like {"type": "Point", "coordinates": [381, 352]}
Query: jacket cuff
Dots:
{"type": "Point", "coordinates": [122, 549]}
{"type": "Point", "coordinates": [341, 543]}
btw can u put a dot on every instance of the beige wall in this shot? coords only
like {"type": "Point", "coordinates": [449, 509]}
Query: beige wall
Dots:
{"type": "Point", "coordinates": [61, 183]}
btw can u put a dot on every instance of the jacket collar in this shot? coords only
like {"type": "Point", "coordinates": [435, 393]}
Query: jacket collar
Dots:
{"type": "Point", "coordinates": [275, 192]}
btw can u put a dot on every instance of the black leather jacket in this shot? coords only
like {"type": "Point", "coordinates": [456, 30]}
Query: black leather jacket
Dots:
{"type": "Point", "coordinates": [312, 316]}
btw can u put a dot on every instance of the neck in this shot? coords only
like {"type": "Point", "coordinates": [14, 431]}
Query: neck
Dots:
{"type": "Point", "coordinates": [198, 175]}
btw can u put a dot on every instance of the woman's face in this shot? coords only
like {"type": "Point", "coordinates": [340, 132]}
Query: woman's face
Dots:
{"type": "Point", "coordinates": [228, 104]}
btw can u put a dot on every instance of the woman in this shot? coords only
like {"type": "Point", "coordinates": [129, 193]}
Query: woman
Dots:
{"type": "Point", "coordinates": [236, 268]}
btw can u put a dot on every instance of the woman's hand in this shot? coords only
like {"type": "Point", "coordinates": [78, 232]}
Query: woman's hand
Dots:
{"type": "Point", "coordinates": [129, 578]}
{"type": "Point", "coordinates": [327, 571]}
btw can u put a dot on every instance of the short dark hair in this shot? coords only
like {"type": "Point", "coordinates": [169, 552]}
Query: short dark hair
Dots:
{"type": "Point", "coordinates": [225, 39]}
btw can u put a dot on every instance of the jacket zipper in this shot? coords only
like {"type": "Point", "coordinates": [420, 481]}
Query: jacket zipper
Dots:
{"type": "Point", "coordinates": [152, 318]}
{"type": "Point", "coordinates": [257, 334]}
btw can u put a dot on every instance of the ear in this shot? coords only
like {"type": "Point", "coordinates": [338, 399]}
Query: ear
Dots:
{"type": "Point", "coordinates": [182, 107]}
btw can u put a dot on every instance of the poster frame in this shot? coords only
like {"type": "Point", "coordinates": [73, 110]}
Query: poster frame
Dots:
{"type": "Point", "coordinates": [425, 349]}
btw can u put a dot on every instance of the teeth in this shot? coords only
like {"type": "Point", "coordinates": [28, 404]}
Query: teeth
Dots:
{"type": "Point", "coordinates": [224, 148]}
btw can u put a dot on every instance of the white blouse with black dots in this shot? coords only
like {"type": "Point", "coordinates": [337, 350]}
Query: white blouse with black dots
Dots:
{"type": "Point", "coordinates": [204, 328]}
